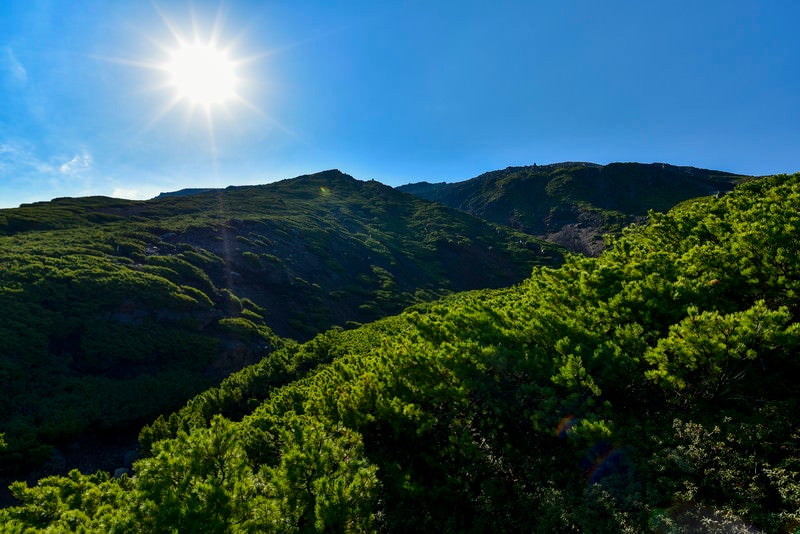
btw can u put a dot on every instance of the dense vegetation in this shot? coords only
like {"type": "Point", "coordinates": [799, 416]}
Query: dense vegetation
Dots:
{"type": "Point", "coordinates": [651, 388]}
{"type": "Point", "coordinates": [114, 311]}
{"type": "Point", "coordinates": [575, 204]}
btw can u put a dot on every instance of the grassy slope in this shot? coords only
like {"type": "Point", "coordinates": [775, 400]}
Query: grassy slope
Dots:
{"type": "Point", "coordinates": [114, 311]}
{"type": "Point", "coordinates": [575, 204]}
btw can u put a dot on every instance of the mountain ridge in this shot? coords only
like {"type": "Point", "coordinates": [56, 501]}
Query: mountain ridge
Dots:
{"type": "Point", "coordinates": [575, 203]}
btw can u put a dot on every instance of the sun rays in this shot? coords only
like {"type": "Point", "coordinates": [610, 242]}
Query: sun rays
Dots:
{"type": "Point", "coordinates": [202, 73]}
{"type": "Point", "coordinates": [205, 86]}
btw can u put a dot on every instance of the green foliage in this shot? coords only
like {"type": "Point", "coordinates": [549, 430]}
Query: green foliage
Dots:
{"type": "Point", "coordinates": [202, 485]}
{"type": "Point", "coordinates": [186, 272]}
{"type": "Point", "coordinates": [649, 389]}
{"type": "Point", "coordinates": [746, 465]}
{"type": "Point", "coordinates": [323, 482]}
{"type": "Point", "coordinates": [73, 503]}
{"type": "Point", "coordinates": [711, 352]}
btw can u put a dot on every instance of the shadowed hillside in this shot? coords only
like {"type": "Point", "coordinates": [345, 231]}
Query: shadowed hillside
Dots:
{"type": "Point", "coordinates": [575, 204]}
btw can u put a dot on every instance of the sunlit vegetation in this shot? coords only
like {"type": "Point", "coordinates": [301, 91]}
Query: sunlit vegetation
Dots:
{"type": "Point", "coordinates": [649, 389]}
{"type": "Point", "coordinates": [113, 312]}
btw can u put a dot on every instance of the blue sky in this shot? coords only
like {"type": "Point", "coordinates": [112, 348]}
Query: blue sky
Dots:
{"type": "Point", "coordinates": [392, 91]}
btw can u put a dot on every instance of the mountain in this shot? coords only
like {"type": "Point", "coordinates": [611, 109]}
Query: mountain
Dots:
{"type": "Point", "coordinates": [114, 311]}
{"type": "Point", "coordinates": [650, 389]}
{"type": "Point", "coordinates": [575, 204]}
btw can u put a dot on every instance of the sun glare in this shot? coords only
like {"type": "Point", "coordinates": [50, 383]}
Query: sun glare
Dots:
{"type": "Point", "coordinates": [202, 74]}
{"type": "Point", "coordinates": [205, 74]}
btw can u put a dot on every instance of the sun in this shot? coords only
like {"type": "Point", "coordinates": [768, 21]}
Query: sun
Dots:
{"type": "Point", "coordinates": [206, 73]}
{"type": "Point", "coordinates": [201, 73]}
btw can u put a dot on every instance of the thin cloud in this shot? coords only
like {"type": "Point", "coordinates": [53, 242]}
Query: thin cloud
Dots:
{"type": "Point", "coordinates": [122, 192]}
{"type": "Point", "coordinates": [80, 163]}
{"type": "Point", "coordinates": [13, 66]}
{"type": "Point", "coordinates": [20, 164]}
{"type": "Point", "coordinates": [14, 156]}
{"type": "Point", "coordinates": [140, 192]}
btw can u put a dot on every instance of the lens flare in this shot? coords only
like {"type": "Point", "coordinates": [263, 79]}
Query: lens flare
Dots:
{"type": "Point", "coordinates": [564, 426]}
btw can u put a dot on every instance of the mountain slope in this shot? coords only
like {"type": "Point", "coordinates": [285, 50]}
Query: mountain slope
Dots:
{"type": "Point", "coordinates": [650, 389]}
{"type": "Point", "coordinates": [575, 204]}
{"type": "Point", "coordinates": [114, 311]}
